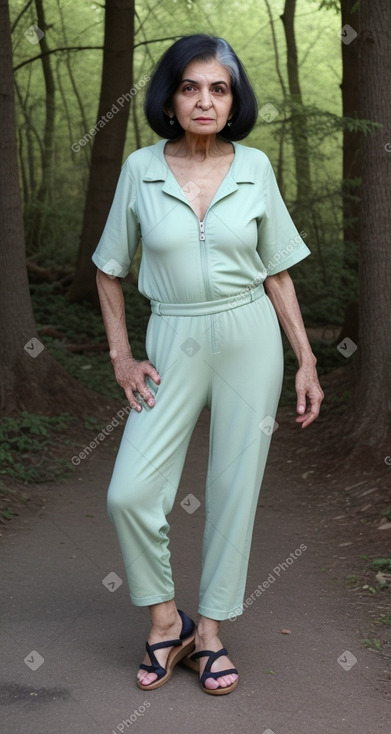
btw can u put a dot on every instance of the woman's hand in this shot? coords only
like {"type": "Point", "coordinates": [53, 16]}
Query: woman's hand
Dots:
{"type": "Point", "coordinates": [281, 292]}
{"type": "Point", "coordinates": [130, 375]}
{"type": "Point", "coordinates": [309, 395]}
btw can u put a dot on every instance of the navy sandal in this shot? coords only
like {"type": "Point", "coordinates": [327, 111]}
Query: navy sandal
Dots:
{"type": "Point", "coordinates": [183, 646]}
{"type": "Point", "coordinates": [212, 656]}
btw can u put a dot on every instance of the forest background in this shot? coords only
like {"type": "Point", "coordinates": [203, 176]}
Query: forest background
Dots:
{"type": "Point", "coordinates": [54, 191]}
{"type": "Point", "coordinates": [78, 81]}
{"type": "Point", "coordinates": [72, 86]}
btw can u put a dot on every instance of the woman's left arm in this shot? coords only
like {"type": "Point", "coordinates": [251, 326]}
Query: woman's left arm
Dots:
{"type": "Point", "coordinates": [281, 292]}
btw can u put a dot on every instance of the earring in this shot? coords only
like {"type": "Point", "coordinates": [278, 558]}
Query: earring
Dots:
{"type": "Point", "coordinates": [229, 123]}
{"type": "Point", "coordinates": [172, 121]}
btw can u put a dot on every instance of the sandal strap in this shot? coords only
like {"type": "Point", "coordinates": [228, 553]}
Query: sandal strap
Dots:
{"type": "Point", "coordinates": [212, 655]}
{"type": "Point", "coordinates": [158, 669]}
{"type": "Point", "coordinates": [160, 645]}
{"type": "Point", "coordinates": [155, 666]}
{"type": "Point", "coordinates": [188, 627]}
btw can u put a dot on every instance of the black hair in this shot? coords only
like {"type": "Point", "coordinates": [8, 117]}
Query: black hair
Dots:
{"type": "Point", "coordinates": [167, 77]}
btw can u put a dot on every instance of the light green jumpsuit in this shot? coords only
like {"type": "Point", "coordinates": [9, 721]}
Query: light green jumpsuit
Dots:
{"type": "Point", "coordinates": [215, 340]}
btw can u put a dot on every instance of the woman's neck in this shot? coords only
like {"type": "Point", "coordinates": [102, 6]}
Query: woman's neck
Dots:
{"type": "Point", "coordinates": [198, 147]}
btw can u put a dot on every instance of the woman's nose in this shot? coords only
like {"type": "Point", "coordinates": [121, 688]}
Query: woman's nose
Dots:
{"type": "Point", "coordinates": [204, 100]}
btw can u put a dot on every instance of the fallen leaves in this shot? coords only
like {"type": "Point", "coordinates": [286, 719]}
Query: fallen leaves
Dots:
{"type": "Point", "coordinates": [384, 524]}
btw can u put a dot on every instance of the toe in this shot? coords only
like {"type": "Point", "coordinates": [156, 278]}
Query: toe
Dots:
{"type": "Point", "coordinates": [227, 680]}
{"type": "Point", "coordinates": [211, 684]}
{"type": "Point", "coordinates": [146, 678]}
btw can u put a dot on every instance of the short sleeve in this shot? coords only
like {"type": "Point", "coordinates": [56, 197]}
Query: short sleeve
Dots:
{"type": "Point", "coordinates": [118, 243]}
{"type": "Point", "coordinates": [280, 245]}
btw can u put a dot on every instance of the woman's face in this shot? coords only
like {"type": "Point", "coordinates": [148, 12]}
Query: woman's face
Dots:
{"type": "Point", "coordinates": [203, 101]}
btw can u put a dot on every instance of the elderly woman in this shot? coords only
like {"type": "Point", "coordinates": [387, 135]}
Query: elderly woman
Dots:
{"type": "Point", "coordinates": [216, 244]}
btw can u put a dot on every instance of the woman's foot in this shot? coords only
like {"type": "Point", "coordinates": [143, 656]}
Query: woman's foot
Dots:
{"type": "Point", "coordinates": [212, 642]}
{"type": "Point", "coordinates": [164, 630]}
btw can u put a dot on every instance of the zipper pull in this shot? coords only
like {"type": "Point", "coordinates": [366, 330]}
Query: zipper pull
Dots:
{"type": "Point", "coordinates": [202, 231]}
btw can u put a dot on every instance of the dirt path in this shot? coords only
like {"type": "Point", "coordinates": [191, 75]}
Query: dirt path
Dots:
{"type": "Point", "coordinates": [71, 643]}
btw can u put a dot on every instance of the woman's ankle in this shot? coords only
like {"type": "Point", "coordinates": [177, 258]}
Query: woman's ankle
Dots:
{"type": "Point", "coordinates": [164, 617]}
{"type": "Point", "coordinates": [207, 628]}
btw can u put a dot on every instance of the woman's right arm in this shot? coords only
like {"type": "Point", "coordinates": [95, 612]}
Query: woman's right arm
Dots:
{"type": "Point", "coordinates": [129, 373]}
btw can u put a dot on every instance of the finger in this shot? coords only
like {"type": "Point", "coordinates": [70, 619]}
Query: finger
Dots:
{"type": "Point", "coordinates": [145, 391]}
{"type": "Point", "coordinates": [311, 414]}
{"type": "Point", "coordinates": [133, 402]}
{"type": "Point", "coordinates": [307, 420]}
{"type": "Point", "coordinates": [147, 395]}
{"type": "Point", "coordinates": [301, 403]}
{"type": "Point", "coordinates": [151, 371]}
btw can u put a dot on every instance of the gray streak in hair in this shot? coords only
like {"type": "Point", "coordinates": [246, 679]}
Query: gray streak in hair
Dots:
{"type": "Point", "coordinates": [226, 58]}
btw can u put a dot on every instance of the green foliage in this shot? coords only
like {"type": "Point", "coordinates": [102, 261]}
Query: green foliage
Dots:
{"type": "Point", "coordinates": [62, 225]}
{"type": "Point", "coordinates": [324, 289]}
{"type": "Point", "coordinates": [370, 588]}
{"type": "Point", "coordinates": [92, 423]}
{"type": "Point", "coordinates": [330, 5]}
{"type": "Point", "coordinates": [327, 282]}
{"type": "Point", "coordinates": [26, 442]}
{"type": "Point", "coordinates": [82, 324]}
{"type": "Point", "coordinates": [351, 580]}
{"type": "Point", "coordinates": [372, 644]}
{"type": "Point", "coordinates": [384, 619]}
{"type": "Point", "coordinates": [382, 564]}
{"type": "Point", "coordinates": [336, 5]}
{"type": "Point", "coordinates": [7, 514]}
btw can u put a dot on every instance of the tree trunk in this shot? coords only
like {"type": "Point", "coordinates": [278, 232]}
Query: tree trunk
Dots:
{"type": "Point", "coordinates": [351, 140]}
{"type": "Point", "coordinates": [299, 119]}
{"type": "Point", "coordinates": [68, 64]}
{"type": "Point", "coordinates": [351, 168]}
{"type": "Point", "coordinates": [371, 418]}
{"type": "Point", "coordinates": [280, 164]}
{"type": "Point", "coordinates": [30, 378]}
{"type": "Point", "coordinates": [109, 141]}
{"type": "Point", "coordinates": [46, 183]}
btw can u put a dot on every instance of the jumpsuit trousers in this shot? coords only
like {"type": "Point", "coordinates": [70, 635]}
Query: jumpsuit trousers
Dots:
{"type": "Point", "coordinates": [226, 356]}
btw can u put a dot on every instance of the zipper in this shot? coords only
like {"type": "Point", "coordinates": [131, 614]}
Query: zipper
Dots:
{"type": "Point", "coordinates": [204, 262]}
{"type": "Point", "coordinates": [205, 275]}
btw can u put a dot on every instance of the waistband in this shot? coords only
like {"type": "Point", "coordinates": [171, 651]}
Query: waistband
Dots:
{"type": "Point", "coordinates": [208, 307]}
